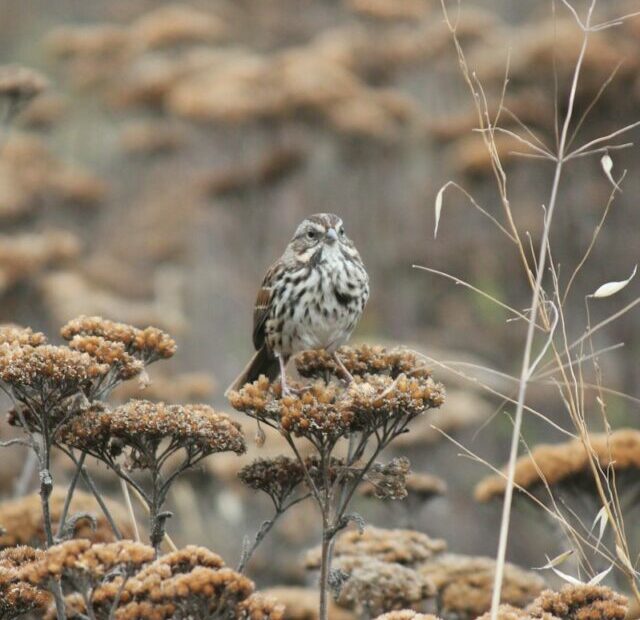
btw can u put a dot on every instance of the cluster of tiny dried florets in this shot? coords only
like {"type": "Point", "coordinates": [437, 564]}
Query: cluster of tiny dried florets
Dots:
{"type": "Point", "coordinates": [23, 525]}
{"type": "Point", "coordinates": [580, 602]}
{"type": "Point", "coordinates": [361, 360]}
{"type": "Point", "coordinates": [17, 336]}
{"type": "Point", "coordinates": [396, 546]}
{"type": "Point", "coordinates": [108, 352]}
{"type": "Point", "coordinates": [556, 463]}
{"type": "Point", "coordinates": [277, 477]}
{"type": "Point", "coordinates": [375, 586]}
{"type": "Point", "coordinates": [418, 485]}
{"type": "Point", "coordinates": [389, 481]}
{"type": "Point", "coordinates": [147, 344]}
{"type": "Point", "coordinates": [464, 584]}
{"type": "Point", "coordinates": [18, 597]}
{"type": "Point", "coordinates": [325, 409]}
{"type": "Point", "coordinates": [190, 583]}
{"type": "Point", "coordinates": [79, 560]}
{"type": "Point", "coordinates": [141, 426]}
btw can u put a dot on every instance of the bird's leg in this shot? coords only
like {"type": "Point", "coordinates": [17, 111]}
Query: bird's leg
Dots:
{"type": "Point", "coordinates": [345, 372]}
{"type": "Point", "coordinates": [286, 390]}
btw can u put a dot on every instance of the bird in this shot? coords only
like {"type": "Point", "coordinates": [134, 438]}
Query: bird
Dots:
{"type": "Point", "coordinates": [311, 298]}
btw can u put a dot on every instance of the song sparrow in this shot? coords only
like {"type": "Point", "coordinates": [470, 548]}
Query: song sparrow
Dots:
{"type": "Point", "coordinates": [311, 298]}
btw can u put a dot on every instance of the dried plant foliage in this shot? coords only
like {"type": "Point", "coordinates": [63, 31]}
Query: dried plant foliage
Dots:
{"type": "Point", "coordinates": [22, 524]}
{"type": "Point", "coordinates": [464, 584]}
{"type": "Point", "coordinates": [558, 463]}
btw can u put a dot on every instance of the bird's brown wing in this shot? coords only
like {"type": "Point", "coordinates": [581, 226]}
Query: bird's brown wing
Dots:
{"type": "Point", "coordinates": [261, 308]}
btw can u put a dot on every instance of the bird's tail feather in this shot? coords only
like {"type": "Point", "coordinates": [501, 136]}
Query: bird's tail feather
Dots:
{"type": "Point", "coordinates": [262, 363]}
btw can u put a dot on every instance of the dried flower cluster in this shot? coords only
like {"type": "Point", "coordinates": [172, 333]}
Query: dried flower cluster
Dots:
{"type": "Point", "coordinates": [122, 580]}
{"type": "Point", "coordinates": [149, 344]}
{"type": "Point", "coordinates": [556, 463]}
{"type": "Point", "coordinates": [580, 602]}
{"type": "Point", "coordinates": [395, 546]}
{"type": "Point", "coordinates": [151, 436]}
{"type": "Point", "coordinates": [18, 597]}
{"type": "Point", "coordinates": [406, 614]}
{"type": "Point", "coordinates": [464, 584]}
{"type": "Point", "coordinates": [277, 477]}
{"type": "Point", "coordinates": [389, 481]}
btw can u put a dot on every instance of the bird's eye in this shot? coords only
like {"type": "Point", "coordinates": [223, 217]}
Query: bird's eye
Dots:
{"type": "Point", "coordinates": [341, 232]}
{"type": "Point", "coordinates": [311, 234]}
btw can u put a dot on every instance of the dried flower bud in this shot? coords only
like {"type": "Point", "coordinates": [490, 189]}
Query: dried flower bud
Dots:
{"type": "Point", "coordinates": [277, 477]}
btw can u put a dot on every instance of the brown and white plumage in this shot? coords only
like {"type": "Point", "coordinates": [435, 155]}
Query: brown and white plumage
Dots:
{"type": "Point", "coordinates": [311, 298]}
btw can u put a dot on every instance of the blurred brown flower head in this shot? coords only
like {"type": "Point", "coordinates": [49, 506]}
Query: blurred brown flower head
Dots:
{"type": "Point", "coordinates": [149, 344]}
{"type": "Point", "coordinates": [375, 586]}
{"type": "Point", "coordinates": [406, 614]}
{"type": "Point", "coordinates": [22, 518]}
{"type": "Point", "coordinates": [580, 602]}
{"type": "Point", "coordinates": [465, 584]}
{"type": "Point", "coordinates": [406, 547]}
{"type": "Point", "coordinates": [563, 462]}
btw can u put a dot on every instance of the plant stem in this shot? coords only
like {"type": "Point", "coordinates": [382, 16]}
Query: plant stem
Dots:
{"type": "Point", "coordinates": [70, 491]}
{"type": "Point", "coordinates": [325, 566]}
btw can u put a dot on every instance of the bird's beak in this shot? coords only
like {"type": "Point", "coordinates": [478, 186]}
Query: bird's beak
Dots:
{"type": "Point", "coordinates": [332, 235]}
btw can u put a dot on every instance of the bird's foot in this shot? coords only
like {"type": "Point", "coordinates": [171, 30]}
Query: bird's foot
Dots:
{"type": "Point", "coordinates": [347, 376]}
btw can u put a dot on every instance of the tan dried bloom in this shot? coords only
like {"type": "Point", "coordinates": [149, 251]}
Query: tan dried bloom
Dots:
{"type": "Point", "coordinates": [80, 559]}
{"type": "Point", "coordinates": [260, 607]}
{"type": "Point", "coordinates": [406, 547]}
{"type": "Point", "coordinates": [509, 612]}
{"type": "Point", "coordinates": [277, 477]}
{"type": "Point", "coordinates": [19, 85]}
{"type": "Point", "coordinates": [465, 584]}
{"type": "Point", "coordinates": [49, 366]}
{"type": "Point", "coordinates": [406, 614]}
{"type": "Point", "coordinates": [23, 256]}
{"type": "Point", "coordinates": [108, 352]}
{"type": "Point", "coordinates": [22, 518]}
{"type": "Point", "coordinates": [149, 344]}
{"type": "Point", "coordinates": [420, 486]}
{"type": "Point", "coordinates": [390, 10]}
{"type": "Point", "coordinates": [151, 138]}
{"type": "Point", "coordinates": [580, 602]}
{"type": "Point", "coordinates": [302, 604]}
{"type": "Point", "coordinates": [18, 597]}
{"type": "Point", "coordinates": [140, 422]}
{"type": "Point", "coordinates": [559, 462]}
{"type": "Point", "coordinates": [361, 360]}
{"type": "Point", "coordinates": [389, 481]}
{"type": "Point", "coordinates": [374, 587]}
{"type": "Point", "coordinates": [176, 24]}
{"type": "Point", "coordinates": [97, 41]}
{"type": "Point", "coordinates": [15, 335]}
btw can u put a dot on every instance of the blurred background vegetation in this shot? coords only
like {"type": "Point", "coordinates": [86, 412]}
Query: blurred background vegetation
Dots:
{"type": "Point", "coordinates": [179, 145]}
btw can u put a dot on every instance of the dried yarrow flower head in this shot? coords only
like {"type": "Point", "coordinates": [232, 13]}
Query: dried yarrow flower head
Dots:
{"type": "Point", "coordinates": [388, 390]}
{"type": "Point", "coordinates": [372, 587]}
{"type": "Point", "coordinates": [361, 360]}
{"type": "Point", "coordinates": [18, 597]}
{"type": "Point", "coordinates": [15, 335]}
{"type": "Point", "coordinates": [277, 477]}
{"type": "Point", "coordinates": [580, 602]}
{"type": "Point", "coordinates": [23, 524]}
{"type": "Point", "coordinates": [190, 583]}
{"type": "Point", "coordinates": [18, 86]}
{"type": "Point", "coordinates": [389, 481]}
{"type": "Point", "coordinates": [84, 564]}
{"type": "Point", "coordinates": [164, 439]}
{"type": "Point", "coordinates": [302, 603]}
{"type": "Point", "coordinates": [464, 584]}
{"type": "Point", "coordinates": [149, 344]}
{"type": "Point", "coordinates": [398, 546]}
